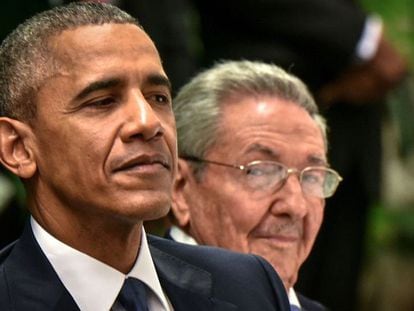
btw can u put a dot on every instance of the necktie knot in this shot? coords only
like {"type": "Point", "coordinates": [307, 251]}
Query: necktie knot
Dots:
{"type": "Point", "coordinates": [133, 296]}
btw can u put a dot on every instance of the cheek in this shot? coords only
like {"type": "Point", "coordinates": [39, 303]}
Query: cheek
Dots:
{"type": "Point", "coordinates": [243, 213]}
{"type": "Point", "coordinates": [236, 211]}
{"type": "Point", "coordinates": [220, 216]}
{"type": "Point", "coordinates": [317, 218]}
{"type": "Point", "coordinates": [170, 137]}
{"type": "Point", "coordinates": [239, 217]}
{"type": "Point", "coordinates": [313, 222]}
{"type": "Point", "coordinates": [53, 146]}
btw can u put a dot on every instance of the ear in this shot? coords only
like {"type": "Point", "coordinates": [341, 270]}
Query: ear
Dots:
{"type": "Point", "coordinates": [180, 205]}
{"type": "Point", "coordinates": [16, 153]}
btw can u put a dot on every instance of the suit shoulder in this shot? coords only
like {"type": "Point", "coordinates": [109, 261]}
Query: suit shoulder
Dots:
{"type": "Point", "coordinates": [245, 274]}
{"type": "Point", "coordinates": [309, 304]}
{"type": "Point", "coordinates": [4, 289]}
{"type": "Point", "coordinates": [201, 254]}
{"type": "Point", "coordinates": [5, 252]}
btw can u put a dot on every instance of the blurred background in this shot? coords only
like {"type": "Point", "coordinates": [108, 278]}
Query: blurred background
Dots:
{"type": "Point", "coordinates": [385, 279]}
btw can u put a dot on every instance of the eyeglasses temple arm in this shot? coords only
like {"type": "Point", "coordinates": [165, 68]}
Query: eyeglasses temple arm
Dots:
{"type": "Point", "coordinates": [195, 159]}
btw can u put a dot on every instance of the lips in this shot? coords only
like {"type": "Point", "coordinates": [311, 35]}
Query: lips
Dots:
{"type": "Point", "coordinates": [141, 161]}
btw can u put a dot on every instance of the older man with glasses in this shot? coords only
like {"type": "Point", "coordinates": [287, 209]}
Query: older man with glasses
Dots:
{"type": "Point", "coordinates": [253, 174]}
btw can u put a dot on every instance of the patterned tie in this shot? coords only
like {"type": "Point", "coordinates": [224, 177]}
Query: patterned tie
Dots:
{"type": "Point", "coordinates": [294, 308]}
{"type": "Point", "coordinates": [133, 295]}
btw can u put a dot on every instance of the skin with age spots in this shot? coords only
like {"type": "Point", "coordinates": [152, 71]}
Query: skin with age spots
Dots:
{"type": "Point", "coordinates": [219, 209]}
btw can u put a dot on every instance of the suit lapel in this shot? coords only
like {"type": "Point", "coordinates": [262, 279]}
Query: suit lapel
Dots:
{"type": "Point", "coordinates": [34, 285]}
{"type": "Point", "coordinates": [187, 287]}
{"type": "Point", "coordinates": [309, 305]}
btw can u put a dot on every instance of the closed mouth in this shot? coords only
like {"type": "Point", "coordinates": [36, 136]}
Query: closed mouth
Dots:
{"type": "Point", "coordinates": [143, 161]}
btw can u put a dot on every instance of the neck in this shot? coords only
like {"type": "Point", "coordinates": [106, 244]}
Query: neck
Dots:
{"type": "Point", "coordinates": [112, 240]}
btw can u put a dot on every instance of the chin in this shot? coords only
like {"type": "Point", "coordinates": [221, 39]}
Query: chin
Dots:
{"type": "Point", "coordinates": [157, 212]}
{"type": "Point", "coordinates": [153, 206]}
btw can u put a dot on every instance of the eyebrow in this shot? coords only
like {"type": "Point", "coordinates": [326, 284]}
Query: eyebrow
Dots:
{"type": "Point", "coordinates": [313, 159]}
{"type": "Point", "coordinates": [317, 160]}
{"type": "Point", "coordinates": [158, 80]}
{"type": "Point", "coordinates": [263, 149]}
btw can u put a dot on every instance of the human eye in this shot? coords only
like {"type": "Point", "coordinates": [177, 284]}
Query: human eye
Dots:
{"type": "Point", "coordinates": [102, 102]}
{"type": "Point", "coordinates": [255, 170]}
{"type": "Point", "coordinates": [99, 103]}
{"type": "Point", "coordinates": [313, 177]}
{"type": "Point", "coordinates": [256, 176]}
{"type": "Point", "coordinates": [264, 174]}
{"type": "Point", "coordinates": [162, 99]}
{"type": "Point", "coordinates": [265, 168]}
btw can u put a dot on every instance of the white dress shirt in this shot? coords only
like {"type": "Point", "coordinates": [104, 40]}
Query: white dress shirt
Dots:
{"type": "Point", "coordinates": [180, 236]}
{"type": "Point", "coordinates": [93, 284]}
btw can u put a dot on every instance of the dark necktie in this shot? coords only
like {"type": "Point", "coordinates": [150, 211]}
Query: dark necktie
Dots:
{"type": "Point", "coordinates": [133, 295]}
{"type": "Point", "coordinates": [294, 308]}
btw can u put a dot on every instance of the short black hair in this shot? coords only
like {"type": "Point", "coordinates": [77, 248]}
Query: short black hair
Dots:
{"type": "Point", "coordinates": [26, 58]}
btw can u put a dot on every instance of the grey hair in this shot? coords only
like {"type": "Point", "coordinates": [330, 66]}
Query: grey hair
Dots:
{"type": "Point", "coordinates": [26, 56]}
{"type": "Point", "coordinates": [197, 104]}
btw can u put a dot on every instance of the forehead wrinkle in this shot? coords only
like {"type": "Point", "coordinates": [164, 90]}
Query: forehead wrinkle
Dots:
{"type": "Point", "coordinates": [312, 159]}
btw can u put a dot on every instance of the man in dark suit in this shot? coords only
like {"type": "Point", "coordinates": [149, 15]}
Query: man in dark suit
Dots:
{"type": "Point", "coordinates": [253, 126]}
{"type": "Point", "coordinates": [86, 122]}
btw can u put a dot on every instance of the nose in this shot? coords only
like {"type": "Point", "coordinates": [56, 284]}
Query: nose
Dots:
{"type": "Point", "coordinates": [290, 199]}
{"type": "Point", "coordinates": [142, 121]}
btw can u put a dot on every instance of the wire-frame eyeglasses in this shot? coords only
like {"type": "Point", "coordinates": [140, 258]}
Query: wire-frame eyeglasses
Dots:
{"type": "Point", "coordinates": [270, 176]}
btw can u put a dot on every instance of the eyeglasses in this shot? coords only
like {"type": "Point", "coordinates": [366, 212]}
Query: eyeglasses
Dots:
{"type": "Point", "coordinates": [270, 176]}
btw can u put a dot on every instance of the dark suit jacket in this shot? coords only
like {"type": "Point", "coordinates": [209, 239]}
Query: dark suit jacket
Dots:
{"type": "Point", "coordinates": [306, 303]}
{"type": "Point", "coordinates": [194, 278]}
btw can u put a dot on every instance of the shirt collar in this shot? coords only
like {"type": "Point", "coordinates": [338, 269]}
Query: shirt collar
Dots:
{"type": "Point", "coordinates": [93, 284]}
{"type": "Point", "coordinates": [293, 298]}
{"type": "Point", "coordinates": [180, 236]}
